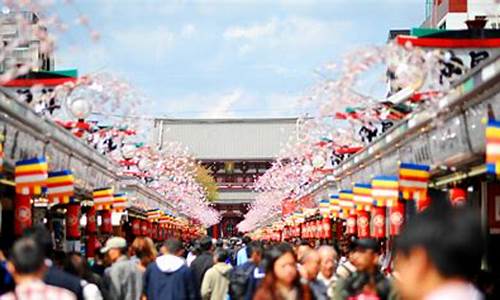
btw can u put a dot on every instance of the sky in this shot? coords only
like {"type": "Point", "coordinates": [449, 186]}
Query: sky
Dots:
{"type": "Point", "coordinates": [224, 58]}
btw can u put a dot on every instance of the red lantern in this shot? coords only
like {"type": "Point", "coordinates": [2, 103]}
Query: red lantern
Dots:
{"type": "Point", "coordinates": [423, 202]}
{"type": "Point", "coordinates": [327, 228]}
{"type": "Point", "coordinates": [363, 224]}
{"type": "Point", "coordinates": [91, 221]}
{"type": "Point", "coordinates": [318, 229]}
{"type": "Point", "coordinates": [73, 221]}
{"type": "Point", "coordinates": [136, 227]}
{"type": "Point", "coordinates": [351, 224]}
{"type": "Point", "coordinates": [396, 219]}
{"type": "Point", "coordinates": [378, 221]}
{"type": "Point", "coordinates": [458, 196]}
{"type": "Point", "coordinates": [106, 226]}
{"type": "Point", "coordinates": [144, 227]}
{"type": "Point", "coordinates": [22, 212]}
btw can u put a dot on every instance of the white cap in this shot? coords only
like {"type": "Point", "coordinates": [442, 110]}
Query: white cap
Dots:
{"type": "Point", "coordinates": [115, 242]}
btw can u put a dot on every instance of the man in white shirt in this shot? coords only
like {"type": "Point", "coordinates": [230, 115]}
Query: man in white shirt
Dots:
{"type": "Point", "coordinates": [438, 254]}
{"type": "Point", "coordinates": [328, 264]}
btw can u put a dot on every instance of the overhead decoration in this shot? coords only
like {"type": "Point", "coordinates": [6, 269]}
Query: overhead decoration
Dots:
{"type": "Point", "coordinates": [363, 196]}
{"type": "Point", "coordinates": [103, 198]}
{"type": "Point", "coordinates": [493, 147]}
{"type": "Point", "coordinates": [346, 202]}
{"type": "Point", "coordinates": [385, 190]}
{"type": "Point", "coordinates": [120, 202]}
{"type": "Point", "coordinates": [31, 176]}
{"type": "Point", "coordinates": [413, 180]}
{"type": "Point", "coordinates": [60, 187]}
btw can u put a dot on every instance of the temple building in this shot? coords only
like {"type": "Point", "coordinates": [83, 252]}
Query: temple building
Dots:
{"type": "Point", "coordinates": [235, 151]}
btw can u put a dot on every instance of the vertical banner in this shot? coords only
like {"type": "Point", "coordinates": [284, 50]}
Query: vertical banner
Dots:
{"type": "Point", "coordinates": [378, 222]}
{"type": "Point", "coordinates": [396, 219]}
{"type": "Point", "coordinates": [22, 214]}
{"type": "Point", "coordinates": [73, 221]}
{"type": "Point", "coordinates": [363, 224]}
{"type": "Point", "coordinates": [106, 226]}
{"type": "Point", "coordinates": [351, 224]}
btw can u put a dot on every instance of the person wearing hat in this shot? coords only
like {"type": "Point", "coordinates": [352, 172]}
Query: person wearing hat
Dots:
{"type": "Point", "coordinates": [367, 281]}
{"type": "Point", "coordinates": [123, 278]}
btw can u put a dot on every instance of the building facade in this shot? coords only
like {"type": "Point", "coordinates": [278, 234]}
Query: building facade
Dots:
{"type": "Point", "coordinates": [452, 14]}
{"type": "Point", "coordinates": [235, 151]}
{"type": "Point", "coordinates": [20, 43]}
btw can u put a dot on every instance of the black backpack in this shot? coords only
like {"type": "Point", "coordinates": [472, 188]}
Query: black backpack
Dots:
{"type": "Point", "coordinates": [238, 282]}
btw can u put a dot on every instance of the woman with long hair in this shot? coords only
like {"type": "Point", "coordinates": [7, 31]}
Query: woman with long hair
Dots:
{"type": "Point", "coordinates": [143, 251]}
{"type": "Point", "coordinates": [282, 280]}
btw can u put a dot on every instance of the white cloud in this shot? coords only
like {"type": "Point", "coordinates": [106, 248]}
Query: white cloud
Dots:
{"type": "Point", "coordinates": [287, 33]}
{"type": "Point", "coordinates": [252, 32]}
{"type": "Point", "coordinates": [222, 108]}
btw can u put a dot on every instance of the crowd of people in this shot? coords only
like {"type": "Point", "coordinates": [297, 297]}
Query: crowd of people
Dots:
{"type": "Point", "coordinates": [437, 256]}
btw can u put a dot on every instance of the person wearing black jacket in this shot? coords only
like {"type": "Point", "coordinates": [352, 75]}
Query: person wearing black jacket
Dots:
{"type": "Point", "coordinates": [203, 262]}
{"type": "Point", "coordinates": [54, 276]}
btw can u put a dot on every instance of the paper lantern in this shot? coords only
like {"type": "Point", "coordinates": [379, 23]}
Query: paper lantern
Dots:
{"type": "Point", "coordinates": [22, 214]}
{"type": "Point", "coordinates": [73, 221]}
{"type": "Point", "coordinates": [91, 221]}
{"type": "Point", "coordinates": [106, 225]}
{"type": "Point", "coordinates": [458, 196]}
{"type": "Point", "coordinates": [378, 222]}
{"type": "Point", "coordinates": [363, 224]}
{"type": "Point", "coordinates": [385, 190]}
{"type": "Point", "coordinates": [103, 198]}
{"type": "Point", "coordinates": [351, 224]}
{"type": "Point", "coordinates": [396, 219]}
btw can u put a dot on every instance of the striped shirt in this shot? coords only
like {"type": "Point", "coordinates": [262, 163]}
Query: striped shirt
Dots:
{"type": "Point", "coordinates": [37, 290]}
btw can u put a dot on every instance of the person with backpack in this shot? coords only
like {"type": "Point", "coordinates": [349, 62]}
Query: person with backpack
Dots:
{"type": "Point", "coordinates": [241, 275]}
{"type": "Point", "coordinates": [215, 283]}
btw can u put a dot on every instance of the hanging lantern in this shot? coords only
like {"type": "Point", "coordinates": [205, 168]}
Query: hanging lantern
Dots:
{"type": "Point", "coordinates": [91, 221]}
{"type": "Point", "coordinates": [378, 222]}
{"type": "Point", "coordinates": [31, 176]}
{"type": "Point", "coordinates": [60, 187]}
{"type": "Point", "coordinates": [144, 228]}
{"type": "Point", "coordinates": [106, 225]}
{"type": "Point", "coordinates": [22, 214]}
{"type": "Point", "coordinates": [396, 219]}
{"type": "Point", "coordinates": [136, 227]}
{"type": "Point", "coordinates": [385, 190]}
{"type": "Point", "coordinates": [363, 224]}
{"type": "Point", "coordinates": [351, 224]}
{"type": "Point", "coordinates": [458, 196]}
{"type": "Point", "coordinates": [73, 221]}
{"type": "Point", "coordinates": [327, 229]}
